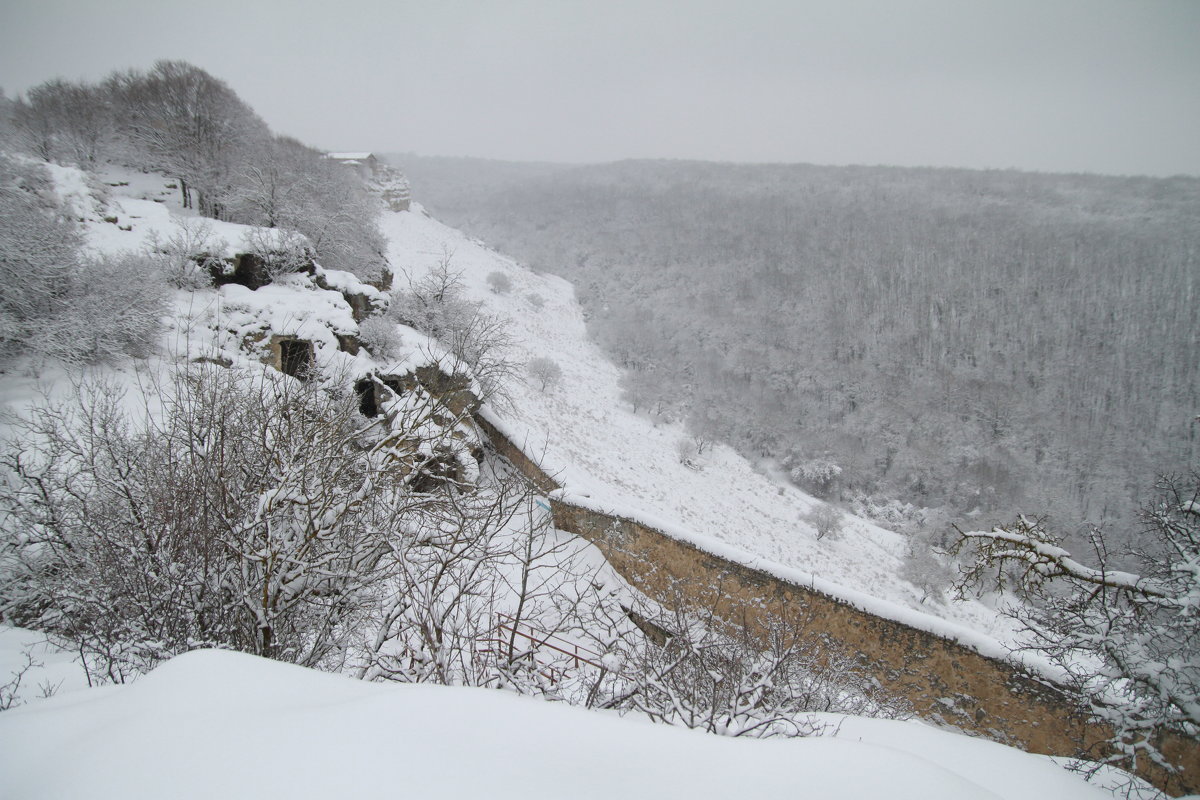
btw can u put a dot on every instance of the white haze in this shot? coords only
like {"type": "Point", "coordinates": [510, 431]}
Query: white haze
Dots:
{"type": "Point", "coordinates": [1066, 85]}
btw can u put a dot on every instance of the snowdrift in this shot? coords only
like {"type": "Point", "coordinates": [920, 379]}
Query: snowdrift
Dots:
{"type": "Point", "coordinates": [218, 724]}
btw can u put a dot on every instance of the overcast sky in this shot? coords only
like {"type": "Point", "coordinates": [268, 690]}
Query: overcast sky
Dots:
{"type": "Point", "coordinates": [1061, 85]}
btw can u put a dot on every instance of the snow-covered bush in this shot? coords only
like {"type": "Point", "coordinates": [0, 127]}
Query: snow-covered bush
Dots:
{"type": "Point", "coordinates": [927, 565]}
{"type": "Point", "coordinates": [187, 256]}
{"type": "Point", "coordinates": [379, 335]}
{"type": "Point", "coordinates": [218, 508]}
{"type": "Point", "coordinates": [53, 300]}
{"type": "Point", "coordinates": [39, 245]}
{"type": "Point", "coordinates": [687, 450]}
{"type": "Point", "coordinates": [499, 282]}
{"type": "Point", "coordinates": [112, 306]}
{"type": "Point", "coordinates": [702, 673]}
{"type": "Point", "coordinates": [545, 371]}
{"type": "Point", "coordinates": [825, 519]}
{"type": "Point", "coordinates": [282, 252]}
{"type": "Point", "coordinates": [535, 300]}
{"type": "Point", "coordinates": [436, 305]}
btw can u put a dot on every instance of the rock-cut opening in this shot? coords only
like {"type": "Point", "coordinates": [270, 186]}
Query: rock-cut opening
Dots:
{"type": "Point", "coordinates": [296, 358]}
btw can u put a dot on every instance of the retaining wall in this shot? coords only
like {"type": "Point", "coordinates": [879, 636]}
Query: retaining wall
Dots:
{"type": "Point", "coordinates": [943, 679]}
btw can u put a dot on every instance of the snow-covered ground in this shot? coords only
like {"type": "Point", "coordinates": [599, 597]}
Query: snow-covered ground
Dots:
{"type": "Point", "coordinates": [217, 724]}
{"type": "Point", "coordinates": [580, 429]}
{"type": "Point", "coordinates": [608, 456]}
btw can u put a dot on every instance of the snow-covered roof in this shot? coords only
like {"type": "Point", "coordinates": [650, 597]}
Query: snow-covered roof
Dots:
{"type": "Point", "coordinates": [350, 156]}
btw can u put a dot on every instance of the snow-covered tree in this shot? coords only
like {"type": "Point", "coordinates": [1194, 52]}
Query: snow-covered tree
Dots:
{"type": "Point", "coordinates": [39, 246]}
{"type": "Point", "coordinates": [499, 283]}
{"type": "Point", "coordinates": [826, 520]}
{"type": "Point", "coordinates": [56, 302]}
{"type": "Point", "coordinates": [1129, 642]}
{"type": "Point", "coordinates": [275, 182]}
{"type": "Point", "coordinates": [334, 210]}
{"type": "Point", "coordinates": [185, 122]}
{"type": "Point", "coordinates": [66, 122]}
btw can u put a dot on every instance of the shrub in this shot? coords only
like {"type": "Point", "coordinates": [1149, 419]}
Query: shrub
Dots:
{"type": "Point", "coordinates": [436, 306]}
{"type": "Point", "coordinates": [186, 258]}
{"type": "Point", "coordinates": [113, 306]}
{"type": "Point", "coordinates": [687, 450]}
{"type": "Point", "coordinates": [282, 252]}
{"type": "Point", "coordinates": [826, 519]}
{"type": "Point", "coordinates": [53, 300]}
{"type": "Point", "coordinates": [545, 372]}
{"type": "Point", "coordinates": [379, 335]}
{"type": "Point", "coordinates": [499, 282]}
{"type": "Point", "coordinates": [220, 507]}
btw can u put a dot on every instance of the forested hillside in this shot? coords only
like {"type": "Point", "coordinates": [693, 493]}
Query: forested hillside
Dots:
{"type": "Point", "coordinates": [984, 342]}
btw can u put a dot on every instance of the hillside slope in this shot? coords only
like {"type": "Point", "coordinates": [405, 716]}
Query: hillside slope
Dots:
{"type": "Point", "coordinates": [978, 342]}
{"type": "Point", "coordinates": [597, 446]}
{"type": "Point", "coordinates": [579, 428]}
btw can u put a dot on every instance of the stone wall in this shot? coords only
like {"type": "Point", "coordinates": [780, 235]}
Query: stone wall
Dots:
{"type": "Point", "coordinates": [942, 679]}
{"type": "Point", "coordinates": [516, 456]}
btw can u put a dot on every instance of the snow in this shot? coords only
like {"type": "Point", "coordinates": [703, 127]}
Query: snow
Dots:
{"type": "Point", "coordinates": [591, 441]}
{"type": "Point", "coordinates": [291, 306]}
{"type": "Point", "coordinates": [346, 282]}
{"type": "Point", "coordinates": [219, 724]}
{"type": "Point", "coordinates": [145, 209]}
{"type": "Point", "coordinates": [605, 455]}
{"type": "Point", "coordinates": [277, 730]}
{"type": "Point", "coordinates": [43, 669]}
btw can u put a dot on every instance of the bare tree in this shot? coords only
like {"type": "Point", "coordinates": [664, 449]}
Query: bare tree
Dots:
{"type": "Point", "coordinates": [338, 215]}
{"type": "Point", "coordinates": [545, 371]}
{"type": "Point", "coordinates": [436, 305]}
{"type": "Point", "coordinates": [440, 601]}
{"type": "Point", "coordinates": [187, 258]}
{"type": "Point", "coordinates": [275, 182]}
{"type": "Point", "coordinates": [825, 519]}
{"type": "Point", "coordinates": [688, 666]}
{"type": "Point", "coordinates": [1127, 641]}
{"type": "Point", "coordinates": [239, 510]}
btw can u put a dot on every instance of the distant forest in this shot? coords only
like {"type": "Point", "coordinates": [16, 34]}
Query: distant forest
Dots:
{"type": "Point", "coordinates": [979, 342]}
